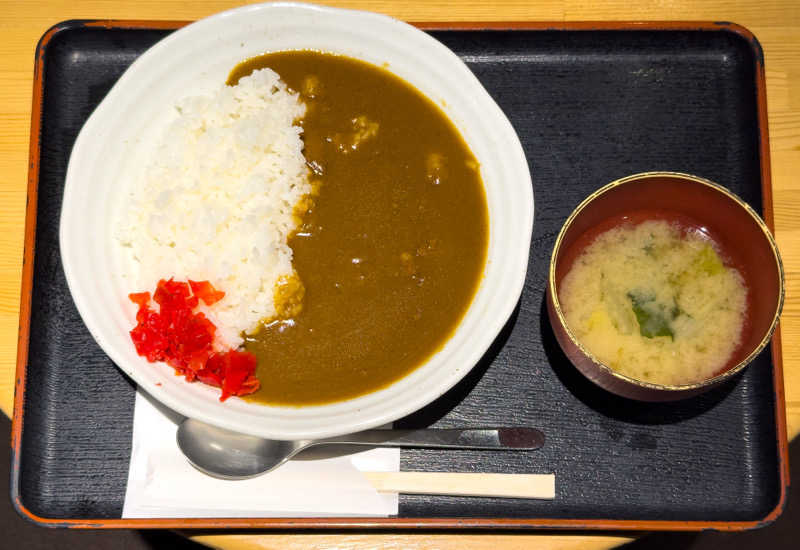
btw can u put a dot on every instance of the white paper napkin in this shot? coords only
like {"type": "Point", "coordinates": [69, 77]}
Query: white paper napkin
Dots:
{"type": "Point", "coordinates": [162, 483]}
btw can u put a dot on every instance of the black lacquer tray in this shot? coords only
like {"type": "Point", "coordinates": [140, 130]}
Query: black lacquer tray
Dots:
{"type": "Point", "coordinates": [591, 103]}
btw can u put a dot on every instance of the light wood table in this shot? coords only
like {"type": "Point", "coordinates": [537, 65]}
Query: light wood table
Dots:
{"type": "Point", "coordinates": [776, 23]}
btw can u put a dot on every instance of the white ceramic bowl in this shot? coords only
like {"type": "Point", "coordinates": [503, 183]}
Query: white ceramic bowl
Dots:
{"type": "Point", "coordinates": [116, 140]}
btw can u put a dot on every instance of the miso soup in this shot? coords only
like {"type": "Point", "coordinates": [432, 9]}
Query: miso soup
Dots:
{"type": "Point", "coordinates": [656, 301]}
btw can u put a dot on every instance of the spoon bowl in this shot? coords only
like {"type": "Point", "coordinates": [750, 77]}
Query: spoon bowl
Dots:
{"type": "Point", "coordinates": [230, 455]}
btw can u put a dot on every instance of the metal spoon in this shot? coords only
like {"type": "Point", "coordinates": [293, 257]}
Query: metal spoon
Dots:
{"type": "Point", "coordinates": [230, 455]}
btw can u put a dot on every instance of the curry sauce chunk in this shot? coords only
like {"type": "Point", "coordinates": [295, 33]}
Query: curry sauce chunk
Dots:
{"type": "Point", "coordinates": [391, 249]}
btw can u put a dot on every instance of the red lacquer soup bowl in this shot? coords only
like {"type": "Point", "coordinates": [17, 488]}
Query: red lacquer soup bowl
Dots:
{"type": "Point", "coordinates": [739, 232]}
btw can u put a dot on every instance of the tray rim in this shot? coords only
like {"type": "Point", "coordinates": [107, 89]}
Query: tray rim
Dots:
{"type": "Point", "coordinates": [389, 522]}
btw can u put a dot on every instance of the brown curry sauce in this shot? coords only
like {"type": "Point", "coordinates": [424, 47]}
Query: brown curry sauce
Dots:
{"type": "Point", "coordinates": [393, 240]}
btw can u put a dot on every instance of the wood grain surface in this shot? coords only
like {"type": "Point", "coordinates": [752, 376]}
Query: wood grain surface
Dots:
{"type": "Point", "coordinates": [776, 23]}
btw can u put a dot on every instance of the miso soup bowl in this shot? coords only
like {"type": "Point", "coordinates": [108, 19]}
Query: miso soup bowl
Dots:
{"type": "Point", "coordinates": [724, 216]}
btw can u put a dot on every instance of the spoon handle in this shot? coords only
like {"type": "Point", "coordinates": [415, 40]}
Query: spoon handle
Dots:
{"type": "Point", "coordinates": [483, 438]}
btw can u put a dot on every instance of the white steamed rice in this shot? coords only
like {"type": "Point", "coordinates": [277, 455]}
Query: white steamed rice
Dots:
{"type": "Point", "coordinates": [216, 201]}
